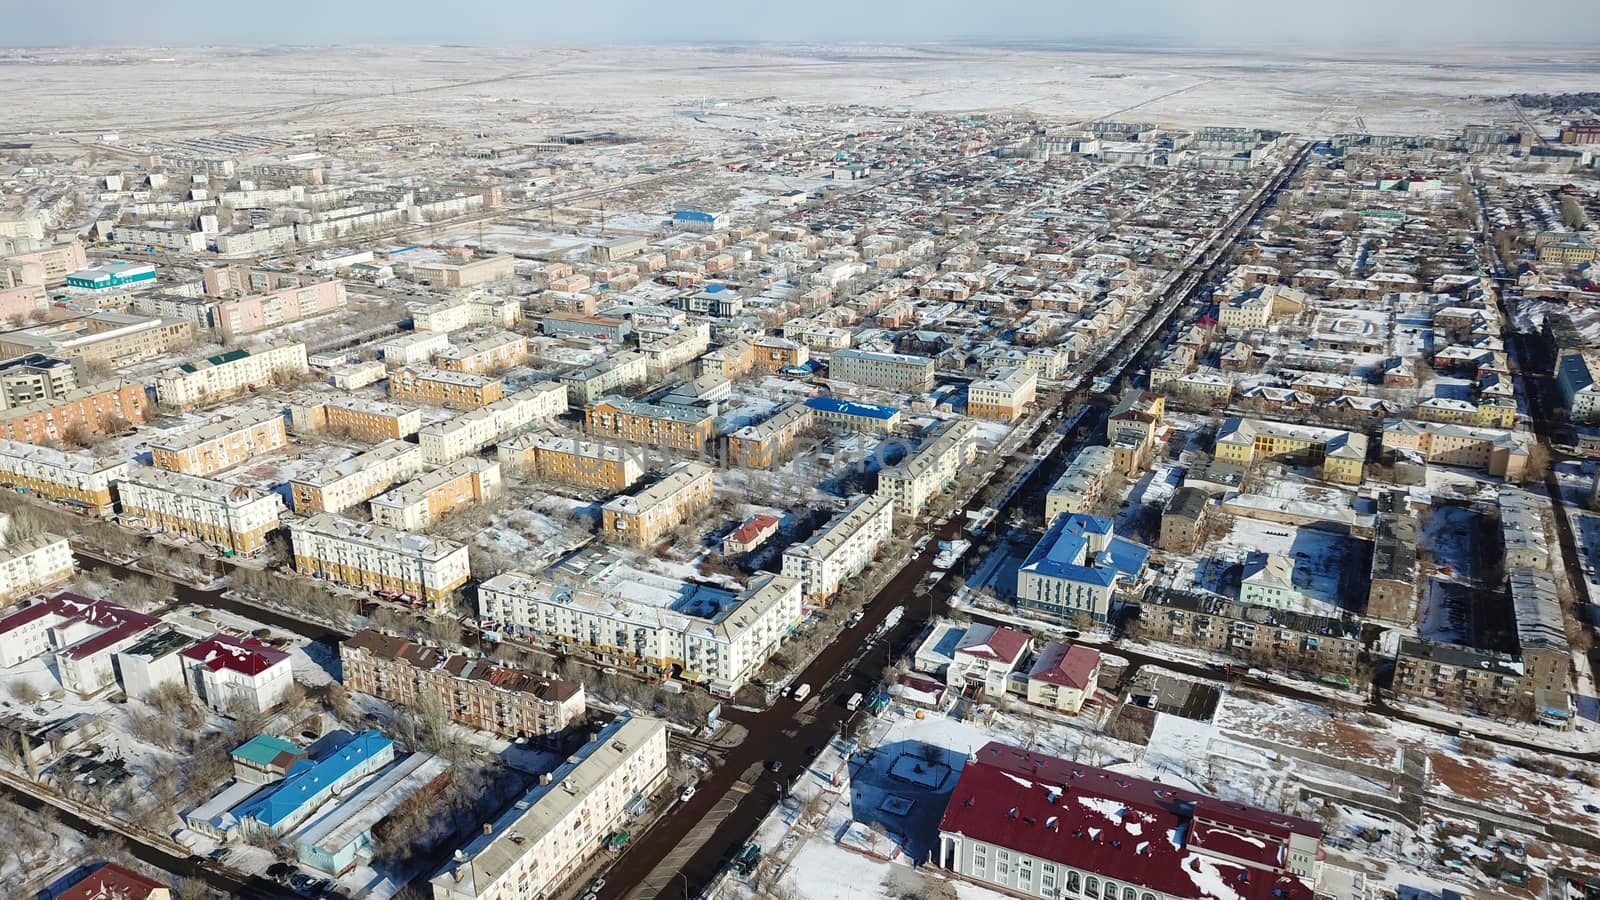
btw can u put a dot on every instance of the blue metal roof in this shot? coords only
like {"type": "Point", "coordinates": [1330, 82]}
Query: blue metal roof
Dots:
{"type": "Point", "coordinates": [693, 215]}
{"type": "Point", "coordinates": [1063, 552]}
{"type": "Point", "coordinates": [306, 780]}
{"type": "Point", "coordinates": [845, 407]}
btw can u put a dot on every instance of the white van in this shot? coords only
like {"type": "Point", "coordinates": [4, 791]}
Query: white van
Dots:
{"type": "Point", "coordinates": [802, 692]}
{"type": "Point", "coordinates": [854, 702]}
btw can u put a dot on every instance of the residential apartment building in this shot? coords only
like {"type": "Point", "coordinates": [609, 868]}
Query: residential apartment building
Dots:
{"type": "Point", "coordinates": [484, 356]}
{"type": "Point", "coordinates": [229, 318]}
{"type": "Point", "coordinates": [49, 265]}
{"type": "Point", "coordinates": [342, 485]}
{"type": "Point", "coordinates": [1500, 453]}
{"type": "Point", "coordinates": [770, 441]}
{"type": "Point", "coordinates": [1081, 487]}
{"type": "Point", "coordinates": [35, 377]}
{"type": "Point", "coordinates": [230, 374]}
{"type": "Point", "coordinates": [475, 692]}
{"type": "Point", "coordinates": [231, 517]}
{"type": "Point", "coordinates": [222, 444]}
{"type": "Point", "coordinates": [720, 648]}
{"type": "Point", "coordinates": [113, 338]}
{"type": "Point", "coordinates": [637, 422]}
{"type": "Point", "coordinates": [105, 407]}
{"type": "Point", "coordinates": [567, 460]}
{"type": "Point", "coordinates": [1131, 431]}
{"type": "Point", "coordinates": [437, 387]}
{"type": "Point", "coordinates": [1077, 567]}
{"type": "Point", "coordinates": [1005, 396]}
{"type": "Point", "coordinates": [679, 497]}
{"type": "Point", "coordinates": [1274, 639]}
{"type": "Point", "coordinates": [891, 371]}
{"type": "Point", "coordinates": [1182, 520]}
{"type": "Point", "coordinates": [842, 548]}
{"type": "Point", "coordinates": [914, 481]}
{"type": "Point", "coordinates": [1063, 677]}
{"type": "Point", "coordinates": [360, 418]}
{"type": "Point", "coordinates": [78, 479]}
{"type": "Point", "coordinates": [1102, 834]}
{"type": "Point", "coordinates": [28, 564]}
{"type": "Point", "coordinates": [470, 432]}
{"type": "Point", "coordinates": [557, 825]}
{"type": "Point", "coordinates": [1459, 677]}
{"type": "Point", "coordinates": [380, 559]}
{"type": "Point", "coordinates": [614, 373]}
{"type": "Point", "coordinates": [416, 348]}
{"type": "Point", "coordinates": [676, 350]}
{"type": "Point", "coordinates": [599, 328]}
{"type": "Point", "coordinates": [426, 499]}
{"type": "Point", "coordinates": [772, 354]}
{"type": "Point", "coordinates": [1342, 455]}
{"type": "Point", "coordinates": [730, 360]}
{"type": "Point", "coordinates": [1392, 596]}
{"type": "Point", "coordinates": [863, 417]}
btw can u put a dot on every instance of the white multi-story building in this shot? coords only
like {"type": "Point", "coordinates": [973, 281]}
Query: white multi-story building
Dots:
{"type": "Point", "coordinates": [466, 434]}
{"type": "Point", "coordinates": [356, 480]}
{"type": "Point", "coordinates": [894, 371]}
{"type": "Point", "coordinates": [676, 350]}
{"type": "Point", "coordinates": [441, 318]}
{"type": "Point", "coordinates": [26, 564]}
{"type": "Point", "coordinates": [77, 478]}
{"type": "Point", "coordinates": [417, 348]}
{"type": "Point", "coordinates": [1004, 397]}
{"type": "Point", "coordinates": [232, 517]}
{"type": "Point", "coordinates": [83, 635]}
{"type": "Point", "coordinates": [379, 558]}
{"type": "Point", "coordinates": [1081, 486]}
{"type": "Point", "coordinates": [228, 374]}
{"type": "Point", "coordinates": [558, 824]}
{"type": "Point", "coordinates": [228, 673]}
{"type": "Point", "coordinates": [719, 648]}
{"type": "Point", "coordinates": [917, 478]}
{"type": "Point", "coordinates": [429, 497]}
{"type": "Point", "coordinates": [842, 548]}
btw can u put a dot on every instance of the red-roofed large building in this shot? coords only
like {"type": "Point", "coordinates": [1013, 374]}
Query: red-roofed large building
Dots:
{"type": "Point", "coordinates": [113, 882]}
{"type": "Point", "coordinates": [227, 672]}
{"type": "Point", "coordinates": [83, 633]}
{"type": "Point", "coordinates": [1063, 676]}
{"type": "Point", "coordinates": [1041, 826]}
{"type": "Point", "coordinates": [985, 657]}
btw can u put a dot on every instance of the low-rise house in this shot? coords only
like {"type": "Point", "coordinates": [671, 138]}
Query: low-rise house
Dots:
{"type": "Point", "coordinates": [1063, 677]}
{"type": "Point", "coordinates": [984, 659]}
{"type": "Point", "coordinates": [228, 673]}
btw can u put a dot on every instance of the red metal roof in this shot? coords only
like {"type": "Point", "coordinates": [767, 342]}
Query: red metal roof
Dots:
{"type": "Point", "coordinates": [111, 882]}
{"type": "Point", "coordinates": [991, 642]}
{"type": "Point", "coordinates": [1065, 664]}
{"type": "Point", "coordinates": [116, 622]}
{"type": "Point", "coordinates": [248, 656]}
{"type": "Point", "coordinates": [1124, 828]}
{"type": "Point", "coordinates": [753, 528]}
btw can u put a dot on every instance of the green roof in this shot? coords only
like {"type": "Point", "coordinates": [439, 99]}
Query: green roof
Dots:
{"type": "Point", "coordinates": [263, 750]}
{"type": "Point", "coordinates": [218, 360]}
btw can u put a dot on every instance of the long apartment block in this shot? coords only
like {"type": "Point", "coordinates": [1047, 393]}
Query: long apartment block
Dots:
{"type": "Point", "coordinates": [676, 350]}
{"type": "Point", "coordinates": [379, 558]}
{"type": "Point", "coordinates": [426, 499]}
{"type": "Point", "coordinates": [229, 374]}
{"type": "Point", "coordinates": [770, 441]}
{"type": "Point", "coordinates": [78, 479]}
{"type": "Point", "coordinates": [655, 425]}
{"type": "Point", "coordinates": [551, 457]}
{"type": "Point", "coordinates": [841, 549]}
{"type": "Point", "coordinates": [931, 468]}
{"type": "Point", "coordinates": [721, 648]}
{"type": "Point", "coordinates": [470, 432]}
{"type": "Point", "coordinates": [359, 417]}
{"type": "Point", "coordinates": [221, 445]}
{"type": "Point", "coordinates": [893, 371]}
{"type": "Point", "coordinates": [437, 387]}
{"type": "Point", "coordinates": [228, 516]}
{"type": "Point", "coordinates": [643, 518]}
{"type": "Point", "coordinates": [101, 408]}
{"type": "Point", "coordinates": [356, 480]}
{"type": "Point", "coordinates": [623, 370]}
{"type": "Point", "coordinates": [485, 355]}
{"type": "Point", "coordinates": [475, 692]}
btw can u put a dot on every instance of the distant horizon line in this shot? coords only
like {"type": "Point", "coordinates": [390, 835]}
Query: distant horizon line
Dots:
{"type": "Point", "coordinates": [1083, 45]}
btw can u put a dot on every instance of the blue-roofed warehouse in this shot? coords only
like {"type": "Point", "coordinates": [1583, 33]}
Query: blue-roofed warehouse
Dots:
{"type": "Point", "coordinates": [1077, 567]}
{"type": "Point", "coordinates": [309, 783]}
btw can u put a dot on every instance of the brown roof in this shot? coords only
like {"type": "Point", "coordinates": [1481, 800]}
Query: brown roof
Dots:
{"type": "Point", "coordinates": [422, 656]}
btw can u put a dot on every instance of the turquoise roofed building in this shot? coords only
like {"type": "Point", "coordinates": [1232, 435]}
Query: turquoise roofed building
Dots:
{"type": "Point", "coordinates": [310, 783]}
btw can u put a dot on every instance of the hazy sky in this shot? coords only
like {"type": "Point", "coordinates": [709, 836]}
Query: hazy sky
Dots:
{"type": "Point", "coordinates": [1320, 23]}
